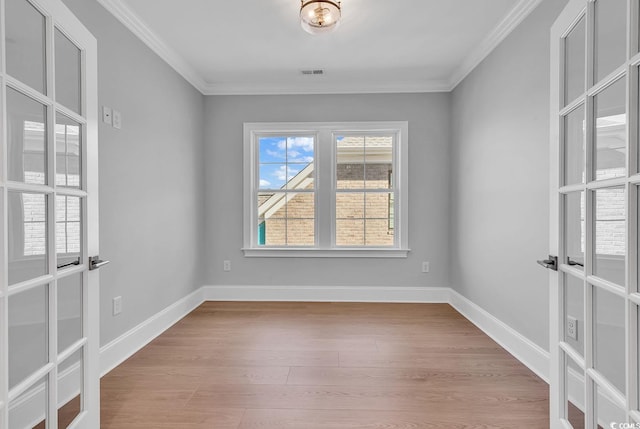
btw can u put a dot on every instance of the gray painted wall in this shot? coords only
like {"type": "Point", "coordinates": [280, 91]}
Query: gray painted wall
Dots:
{"type": "Point", "coordinates": [428, 116]}
{"type": "Point", "coordinates": [151, 177]}
{"type": "Point", "coordinates": [500, 178]}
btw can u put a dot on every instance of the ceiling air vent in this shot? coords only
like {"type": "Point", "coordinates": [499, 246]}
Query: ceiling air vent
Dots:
{"type": "Point", "coordinates": [312, 72]}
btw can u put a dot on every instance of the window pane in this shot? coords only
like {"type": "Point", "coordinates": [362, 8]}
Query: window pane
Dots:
{"type": "Point", "coordinates": [25, 42]}
{"type": "Point", "coordinates": [28, 333]}
{"type": "Point", "coordinates": [350, 232]}
{"type": "Point", "coordinates": [574, 144]}
{"type": "Point", "coordinates": [610, 235]}
{"type": "Point", "coordinates": [574, 212]}
{"type": "Point", "coordinates": [350, 205]}
{"type": "Point", "coordinates": [69, 311]}
{"type": "Point", "coordinates": [275, 232]}
{"type": "Point", "coordinates": [378, 233]}
{"type": "Point", "coordinates": [68, 147]}
{"type": "Point", "coordinates": [610, 136]}
{"type": "Point", "coordinates": [27, 236]}
{"type": "Point", "coordinates": [378, 162]}
{"type": "Point", "coordinates": [575, 63]}
{"type": "Point", "coordinates": [350, 160]}
{"type": "Point", "coordinates": [68, 230]}
{"type": "Point", "coordinates": [611, 36]}
{"type": "Point", "coordinates": [67, 72]}
{"type": "Point", "coordinates": [609, 337]}
{"type": "Point", "coordinates": [286, 218]}
{"type": "Point", "coordinates": [27, 150]}
{"type": "Point", "coordinates": [300, 232]}
{"type": "Point", "coordinates": [286, 162]}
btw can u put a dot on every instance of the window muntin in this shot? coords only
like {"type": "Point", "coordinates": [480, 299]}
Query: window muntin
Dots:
{"type": "Point", "coordinates": [307, 184]}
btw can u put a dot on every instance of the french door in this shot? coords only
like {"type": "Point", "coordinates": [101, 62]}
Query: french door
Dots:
{"type": "Point", "coordinates": [49, 375]}
{"type": "Point", "coordinates": [595, 185]}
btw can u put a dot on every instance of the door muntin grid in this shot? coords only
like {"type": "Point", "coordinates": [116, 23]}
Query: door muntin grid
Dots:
{"type": "Point", "coordinates": [598, 160]}
{"type": "Point", "coordinates": [46, 167]}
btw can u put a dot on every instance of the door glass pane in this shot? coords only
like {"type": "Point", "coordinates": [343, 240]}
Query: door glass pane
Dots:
{"type": "Point", "coordinates": [574, 144]}
{"type": "Point", "coordinates": [27, 236]}
{"type": "Point", "coordinates": [68, 151]}
{"type": "Point", "coordinates": [609, 339]}
{"type": "Point", "coordinates": [25, 41]}
{"type": "Point", "coordinates": [610, 135]}
{"type": "Point", "coordinates": [607, 411]}
{"type": "Point", "coordinates": [574, 382]}
{"type": "Point", "coordinates": [610, 235]}
{"type": "Point", "coordinates": [26, 131]}
{"type": "Point", "coordinates": [70, 378]}
{"type": "Point", "coordinates": [29, 410]}
{"type": "Point", "coordinates": [574, 312]}
{"type": "Point", "coordinates": [28, 333]}
{"type": "Point", "coordinates": [68, 231]}
{"type": "Point", "coordinates": [574, 85]}
{"type": "Point", "coordinates": [67, 72]}
{"type": "Point", "coordinates": [69, 311]}
{"type": "Point", "coordinates": [574, 212]}
{"type": "Point", "coordinates": [611, 36]}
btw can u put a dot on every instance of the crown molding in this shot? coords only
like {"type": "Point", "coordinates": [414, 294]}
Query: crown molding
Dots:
{"type": "Point", "coordinates": [130, 20]}
{"type": "Point", "coordinates": [315, 88]}
{"type": "Point", "coordinates": [499, 33]}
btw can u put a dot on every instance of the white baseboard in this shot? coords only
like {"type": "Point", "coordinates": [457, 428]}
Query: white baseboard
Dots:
{"type": "Point", "coordinates": [327, 294]}
{"type": "Point", "coordinates": [121, 348]}
{"type": "Point", "coordinates": [530, 354]}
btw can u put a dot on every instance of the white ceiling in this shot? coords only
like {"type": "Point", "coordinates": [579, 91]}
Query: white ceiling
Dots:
{"type": "Point", "coordinates": [258, 46]}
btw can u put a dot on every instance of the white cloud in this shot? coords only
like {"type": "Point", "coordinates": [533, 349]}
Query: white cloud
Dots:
{"type": "Point", "coordinates": [281, 173]}
{"type": "Point", "coordinates": [305, 144]}
{"type": "Point", "coordinates": [264, 183]}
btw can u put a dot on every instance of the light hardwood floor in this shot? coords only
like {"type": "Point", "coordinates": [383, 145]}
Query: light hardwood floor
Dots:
{"type": "Point", "coordinates": [323, 366]}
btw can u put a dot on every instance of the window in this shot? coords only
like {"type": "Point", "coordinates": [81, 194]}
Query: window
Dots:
{"type": "Point", "coordinates": [326, 189]}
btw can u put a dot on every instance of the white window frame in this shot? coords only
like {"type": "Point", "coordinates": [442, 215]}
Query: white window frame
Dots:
{"type": "Point", "coordinates": [325, 188]}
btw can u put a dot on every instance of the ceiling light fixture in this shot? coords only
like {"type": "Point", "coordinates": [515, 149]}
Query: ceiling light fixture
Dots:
{"type": "Point", "coordinates": [319, 16]}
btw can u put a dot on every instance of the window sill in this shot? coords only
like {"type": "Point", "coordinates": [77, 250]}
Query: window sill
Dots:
{"type": "Point", "coordinates": [326, 253]}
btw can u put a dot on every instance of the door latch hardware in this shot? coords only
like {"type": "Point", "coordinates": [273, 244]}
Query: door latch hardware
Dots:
{"type": "Point", "coordinates": [95, 262]}
{"type": "Point", "coordinates": [551, 263]}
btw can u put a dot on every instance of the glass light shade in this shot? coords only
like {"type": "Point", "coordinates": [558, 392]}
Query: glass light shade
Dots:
{"type": "Point", "coordinates": [319, 16]}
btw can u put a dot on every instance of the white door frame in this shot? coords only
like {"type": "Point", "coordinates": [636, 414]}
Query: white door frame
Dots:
{"type": "Point", "coordinates": [57, 15]}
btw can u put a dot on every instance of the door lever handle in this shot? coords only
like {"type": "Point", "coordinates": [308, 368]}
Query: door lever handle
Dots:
{"type": "Point", "coordinates": [551, 263]}
{"type": "Point", "coordinates": [95, 262]}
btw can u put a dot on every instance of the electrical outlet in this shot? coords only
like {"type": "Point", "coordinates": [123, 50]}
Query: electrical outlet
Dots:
{"type": "Point", "coordinates": [425, 267]}
{"type": "Point", "coordinates": [117, 305]}
{"type": "Point", "coordinates": [572, 327]}
{"type": "Point", "coordinates": [107, 114]}
{"type": "Point", "coordinates": [226, 265]}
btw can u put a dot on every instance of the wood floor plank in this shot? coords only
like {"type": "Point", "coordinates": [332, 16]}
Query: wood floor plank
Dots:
{"type": "Point", "coordinates": [352, 419]}
{"type": "Point", "coordinates": [323, 366]}
{"type": "Point", "coordinates": [391, 398]}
